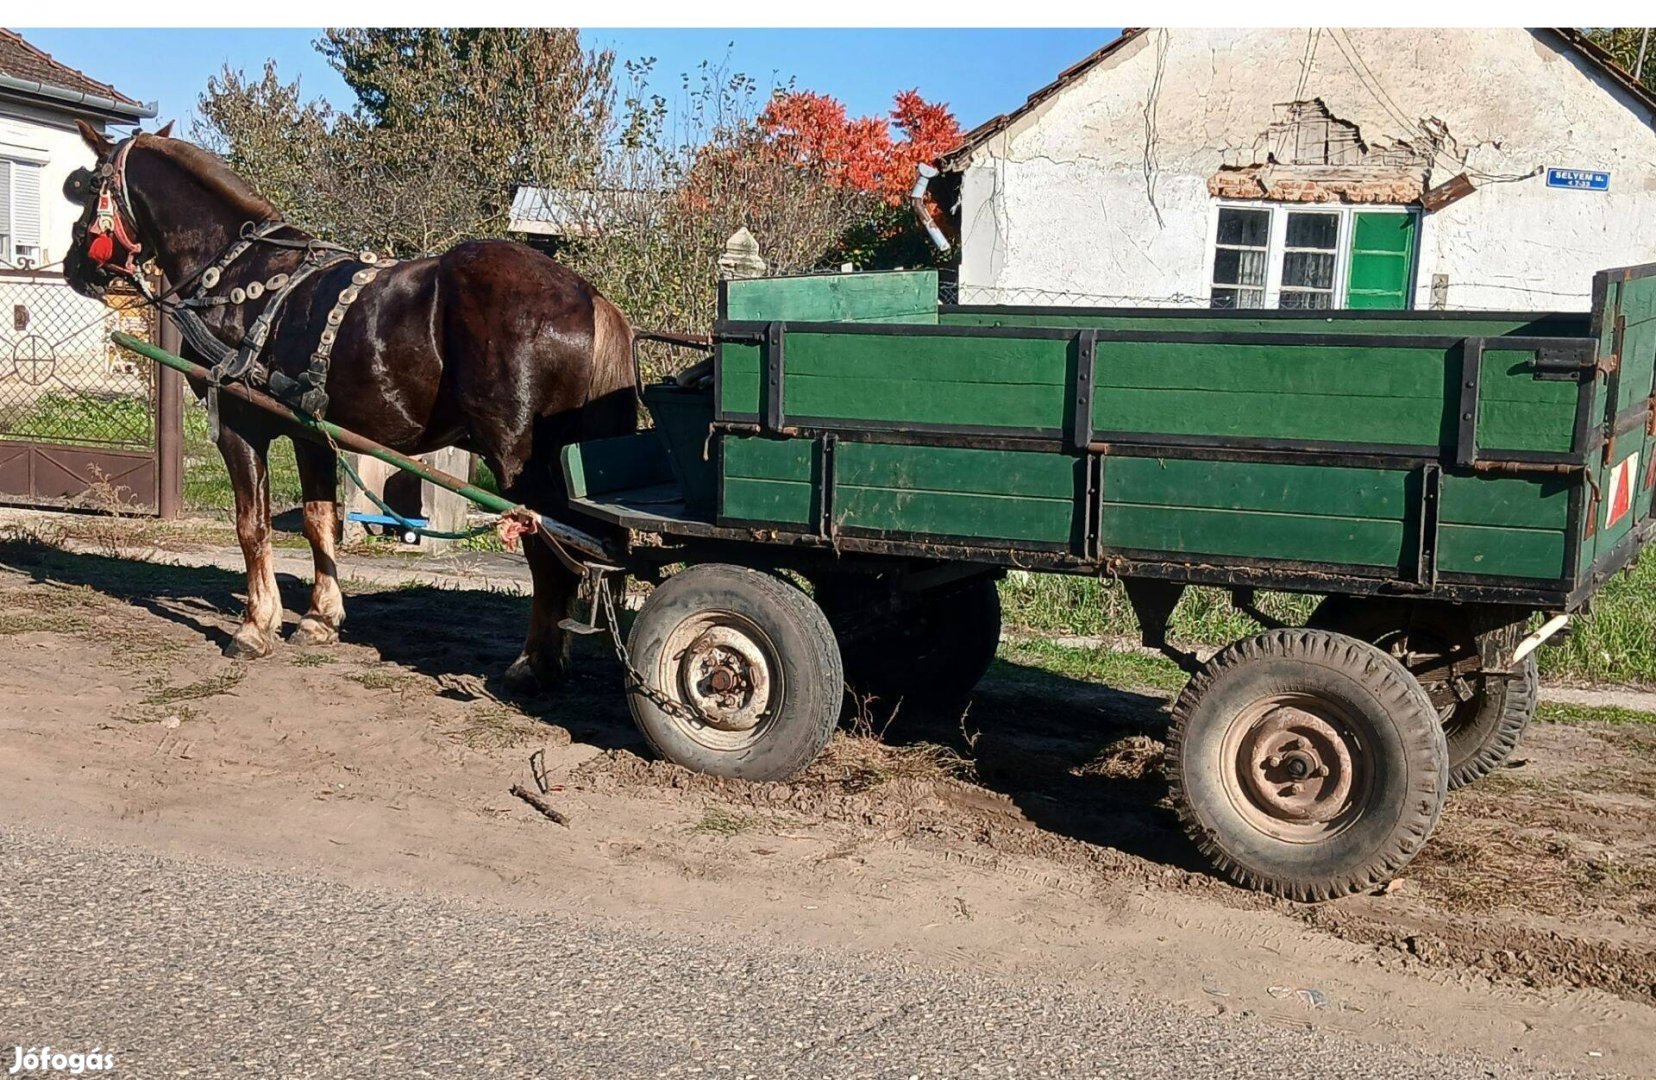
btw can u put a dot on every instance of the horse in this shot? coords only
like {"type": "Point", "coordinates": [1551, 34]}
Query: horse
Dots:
{"type": "Point", "coordinates": [490, 346]}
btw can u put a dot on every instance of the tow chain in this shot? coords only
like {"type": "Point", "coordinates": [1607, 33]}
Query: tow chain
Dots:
{"type": "Point", "coordinates": [635, 678]}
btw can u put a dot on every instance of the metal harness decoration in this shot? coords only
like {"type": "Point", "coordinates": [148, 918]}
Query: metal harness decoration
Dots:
{"type": "Point", "coordinates": [113, 225]}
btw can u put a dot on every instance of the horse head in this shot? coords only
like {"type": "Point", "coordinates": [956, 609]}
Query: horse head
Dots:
{"type": "Point", "coordinates": [151, 197]}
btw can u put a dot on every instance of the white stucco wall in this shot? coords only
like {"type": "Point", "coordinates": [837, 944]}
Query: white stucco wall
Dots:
{"type": "Point", "coordinates": [50, 140]}
{"type": "Point", "coordinates": [1057, 208]}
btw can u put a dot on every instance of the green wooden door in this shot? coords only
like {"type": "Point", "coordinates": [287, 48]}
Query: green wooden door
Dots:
{"type": "Point", "coordinates": [1382, 261]}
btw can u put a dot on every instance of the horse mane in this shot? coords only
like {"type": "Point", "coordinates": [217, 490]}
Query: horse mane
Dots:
{"type": "Point", "coordinates": [216, 176]}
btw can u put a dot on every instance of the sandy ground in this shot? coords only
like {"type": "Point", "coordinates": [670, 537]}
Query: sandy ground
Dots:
{"type": "Point", "coordinates": [1030, 839]}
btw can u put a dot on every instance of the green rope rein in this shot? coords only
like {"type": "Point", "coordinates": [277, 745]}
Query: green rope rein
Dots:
{"type": "Point", "coordinates": [385, 508]}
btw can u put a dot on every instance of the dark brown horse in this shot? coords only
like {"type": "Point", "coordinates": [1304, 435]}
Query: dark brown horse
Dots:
{"type": "Point", "coordinates": [490, 346]}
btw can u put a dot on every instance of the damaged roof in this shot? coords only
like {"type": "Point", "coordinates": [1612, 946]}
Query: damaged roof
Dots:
{"type": "Point", "coordinates": [28, 70]}
{"type": "Point", "coordinates": [956, 159]}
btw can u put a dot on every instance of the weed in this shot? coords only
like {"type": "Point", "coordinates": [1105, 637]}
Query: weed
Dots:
{"type": "Point", "coordinates": [314, 659]}
{"type": "Point", "coordinates": [720, 821]}
{"type": "Point", "coordinates": [222, 683]}
{"type": "Point", "coordinates": [157, 714]}
{"type": "Point", "coordinates": [378, 679]}
{"type": "Point", "coordinates": [491, 726]}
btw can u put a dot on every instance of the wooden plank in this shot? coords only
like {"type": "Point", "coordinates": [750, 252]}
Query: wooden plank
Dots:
{"type": "Point", "coordinates": [780, 501]}
{"type": "Point", "coordinates": [1199, 320]}
{"type": "Point", "coordinates": [1501, 550]}
{"type": "Point", "coordinates": [1272, 414]}
{"type": "Point", "coordinates": [1016, 473]}
{"type": "Point", "coordinates": [874, 297]}
{"type": "Point", "coordinates": [1506, 501]}
{"type": "Point", "coordinates": [942, 513]}
{"type": "Point", "coordinates": [1251, 534]}
{"type": "Point", "coordinates": [1313, 490]}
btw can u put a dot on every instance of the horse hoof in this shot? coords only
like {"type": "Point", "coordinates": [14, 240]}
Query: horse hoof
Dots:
{"type": "Point", "coordinates": [523, 677]}
{"type": "Point", "coordinates": [313, 632]}
{"type": "Point", "coordinates": [248, 646]}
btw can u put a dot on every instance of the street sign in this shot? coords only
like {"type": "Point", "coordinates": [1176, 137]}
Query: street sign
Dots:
{"type": "Point", "coordinates": [1581, 179]}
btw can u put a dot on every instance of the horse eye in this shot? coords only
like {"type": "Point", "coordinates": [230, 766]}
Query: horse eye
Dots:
{"type": "Point", "coordinates": [78, 185]}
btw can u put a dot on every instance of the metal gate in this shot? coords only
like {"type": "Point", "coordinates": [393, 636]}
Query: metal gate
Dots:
{"type": "Point", "coordinates": [82, 423]}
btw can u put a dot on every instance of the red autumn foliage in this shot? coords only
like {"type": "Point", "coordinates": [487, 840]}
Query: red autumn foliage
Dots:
{"type": "Point", "coordinates": [860, 154]}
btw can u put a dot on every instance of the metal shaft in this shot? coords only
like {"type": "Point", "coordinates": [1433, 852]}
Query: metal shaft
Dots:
{"type": "Point", "coordinates": [324, 432]}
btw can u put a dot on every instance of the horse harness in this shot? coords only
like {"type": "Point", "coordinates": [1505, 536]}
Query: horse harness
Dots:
{"type": "Point", "coordinates": [113, 226]}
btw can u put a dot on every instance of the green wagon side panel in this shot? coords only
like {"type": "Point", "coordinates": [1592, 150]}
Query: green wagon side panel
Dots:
{"type": "Point", "coordinates": [905, 296]}
{"type": "Point", "coordinates": [1517, 411]}
{"type": "Point", "coordinates": [1316, 513]}
{"type": "Point", "coordinates": [1506, 526]}
{"type": "Point", "coordinates": [946, 491]}
{"type": "Point", "coordinates": [767, 480]}
{"type": "Point", "coordinates": [738, 381]}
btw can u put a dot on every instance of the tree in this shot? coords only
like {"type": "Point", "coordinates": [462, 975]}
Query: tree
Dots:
{"type": "Point", "coordinates": [860, 155]}
{"type": "Point", "coordinates": [447, 124]}
{"type": "Point", "coordinates": [1625, 44]}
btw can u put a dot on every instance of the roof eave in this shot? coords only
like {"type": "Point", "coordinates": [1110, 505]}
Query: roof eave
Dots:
{"type": "Point", "coordinates": [78, 100]}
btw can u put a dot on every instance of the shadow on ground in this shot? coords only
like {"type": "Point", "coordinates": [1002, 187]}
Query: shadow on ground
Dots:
{"type": "Point", "coordinates": [1078, 759]}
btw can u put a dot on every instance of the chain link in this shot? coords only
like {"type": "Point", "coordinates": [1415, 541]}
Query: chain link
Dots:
{"type": "Point", "coordinates": [635, 679]}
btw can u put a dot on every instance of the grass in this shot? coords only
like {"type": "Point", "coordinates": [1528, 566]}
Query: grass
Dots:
{"type": "Point", "coordinates": [375, 679]}
{"type": "Point", "coordinates": [492, 726]}
{"type": "Point", "coordinates": [721, 821]}
{"type": "Point", "coordinates": [1555, 712]}
{"type": "Point", "coordinates": [1616, 643]}
{"type": "Point", "coordinates": [207, 484]}
{"type": "Point", "coordinates": [313, 659]}
{"type": "Point", "coordinates": [1127, 670]}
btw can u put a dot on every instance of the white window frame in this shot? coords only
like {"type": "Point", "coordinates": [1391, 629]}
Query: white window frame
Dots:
{"type": "Point", "coordinates": [1278, 234]}
{"type": "Point", "coordinates": [8, 240]}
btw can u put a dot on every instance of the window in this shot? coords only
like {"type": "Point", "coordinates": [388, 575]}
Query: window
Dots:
{"type": "Point", "coordinates": [1240, 256]}
{"type": "Point", "coordinates": [19, 213]}
{"type": "Point", "coordinates": [1312, 259]}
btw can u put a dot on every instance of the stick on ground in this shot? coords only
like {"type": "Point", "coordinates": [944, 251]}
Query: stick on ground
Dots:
{"type": "Point", "coordinates": [547, 810]}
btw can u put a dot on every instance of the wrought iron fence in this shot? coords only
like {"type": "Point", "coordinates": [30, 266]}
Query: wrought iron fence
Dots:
{"type": "Point", "coordinates": [61, 379]}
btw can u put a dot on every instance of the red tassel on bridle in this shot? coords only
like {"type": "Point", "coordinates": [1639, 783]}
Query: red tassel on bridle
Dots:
{"type": "Point", "coordinates": [101, 249]}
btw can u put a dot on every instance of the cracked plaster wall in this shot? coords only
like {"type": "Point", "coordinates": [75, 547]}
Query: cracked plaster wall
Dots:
{"type": "Point", "coordinates": [1056, 209]}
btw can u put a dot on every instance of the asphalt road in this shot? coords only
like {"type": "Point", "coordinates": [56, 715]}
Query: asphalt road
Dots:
{"type": "Point", "coordinates": [187, 968]}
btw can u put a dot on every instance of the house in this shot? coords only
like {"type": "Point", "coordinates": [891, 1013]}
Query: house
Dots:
{"type": "Point", "coordinates": [40, 100]}
{"type": "Point", "coordinates": [1314, 168]}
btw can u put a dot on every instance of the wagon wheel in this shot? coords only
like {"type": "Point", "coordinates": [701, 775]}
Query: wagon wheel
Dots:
{"type": "Point", "coordinates": [749, 665]}
{"type": "Point", "coordinates": [1483, 716]}
{"type": "Point", "coordinates": [1306, 763]}
{"type": "Point", "coordinates": [927, 650]}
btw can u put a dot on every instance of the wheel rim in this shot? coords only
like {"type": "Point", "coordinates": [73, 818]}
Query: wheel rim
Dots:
{"type": "Point", "coordinates": [727, 668]}
{"type": "Point", "coordinates": [1294, 768]}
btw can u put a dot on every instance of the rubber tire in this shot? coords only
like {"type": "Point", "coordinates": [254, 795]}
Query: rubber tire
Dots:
{"type": "Point", "coordinates": [812, 679]}
{"type": "Point", "coordinates": [1479, 744]}
{"type": "Point", "coordinates": [1407, 759]}
{"type": "Point", "coordinates": [933, 656]}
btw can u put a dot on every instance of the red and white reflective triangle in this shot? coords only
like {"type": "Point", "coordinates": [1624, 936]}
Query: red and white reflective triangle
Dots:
{"type": "Point", "coordinates": [1619, 499]}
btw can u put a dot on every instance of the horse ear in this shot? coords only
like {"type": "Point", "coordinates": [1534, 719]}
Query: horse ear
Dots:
{"type": "Point", "coordinates": [165, 131]}
{"type": "Point", "coordinates": [96, 141]}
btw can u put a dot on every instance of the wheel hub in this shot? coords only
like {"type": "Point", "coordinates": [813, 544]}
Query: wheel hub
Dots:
{"type": "Point", "coordinates": [1295, 767]}
{"type": "Point", "coordinates": [724, 674]}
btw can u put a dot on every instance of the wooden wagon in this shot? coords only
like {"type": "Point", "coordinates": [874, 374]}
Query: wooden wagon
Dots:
{"type": "Point", "coordinates": [1440, 477]}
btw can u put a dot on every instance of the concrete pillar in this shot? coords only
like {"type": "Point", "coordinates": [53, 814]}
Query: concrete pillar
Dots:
{"type": "Point", "coordinates": [410, 496]}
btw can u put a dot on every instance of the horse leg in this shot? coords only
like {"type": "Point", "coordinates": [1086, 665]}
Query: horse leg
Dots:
{"type": "Point", "coordinates": [318, 482]}
{"type": "Point", "coordinates": [545, 657]}
{"type": "Point", "coordinates": [245, 458]}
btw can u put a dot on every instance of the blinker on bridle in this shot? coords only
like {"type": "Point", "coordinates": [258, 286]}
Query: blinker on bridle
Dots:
{"type": "Point", "coordinates": [112, 225]}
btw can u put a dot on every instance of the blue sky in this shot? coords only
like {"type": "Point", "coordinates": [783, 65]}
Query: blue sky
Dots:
{"type": "Point", "coordinates": [979, 72]}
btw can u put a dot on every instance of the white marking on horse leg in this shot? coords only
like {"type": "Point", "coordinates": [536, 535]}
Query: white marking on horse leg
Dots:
{"type": "Point", "coordinates": [321, 623]}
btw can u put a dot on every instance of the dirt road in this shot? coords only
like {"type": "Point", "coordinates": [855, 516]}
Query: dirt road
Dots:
{"type": "Point", "coordinates": [1029, 841]}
